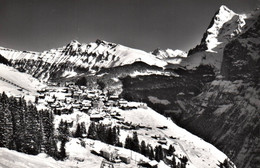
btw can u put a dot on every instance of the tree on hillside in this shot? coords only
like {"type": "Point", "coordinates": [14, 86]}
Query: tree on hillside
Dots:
{"type": "Point", "coordinates": [64, 138]}
{"type": "Point", "coordinates": [184, 161]}
{"type": "Point", "coordinates": [171, 150]}
{"type": "Point", "coordinates": [128, 142]}
{"type": "Point", "coordinates": [173, 162]}
{"type": "Point", "coordinates": [78, 132]}
{"type": "Point", "coordinates": [143, 149]}
{"type": "Point", "coordinates": [24, 128]}
{"type": "Point", "coordinates": [150, 152]}
{"type": "Point", "coordinates": [135, 142]}
{"type": "Point", "coordinates": [92, 131]}
{"type": "Point", "coordinates": [158, 153]}
{"type": "Point", "coordinates": [49, 140]}
{"type": "Point", "coordinates": [82, 81]}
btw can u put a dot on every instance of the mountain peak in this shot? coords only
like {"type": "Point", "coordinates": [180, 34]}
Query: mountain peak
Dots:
{"type": "Point", "coordinates": [224, 8]}
{"type": "Point", "coordinates": [74, 42]}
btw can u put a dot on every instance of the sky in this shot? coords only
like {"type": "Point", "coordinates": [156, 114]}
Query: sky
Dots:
{"type": "Point", "coordinates": [39, 25]}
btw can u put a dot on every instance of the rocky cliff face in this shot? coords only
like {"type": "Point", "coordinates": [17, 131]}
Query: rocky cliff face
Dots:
{"type": "Point", "coordinates": [226, 113]}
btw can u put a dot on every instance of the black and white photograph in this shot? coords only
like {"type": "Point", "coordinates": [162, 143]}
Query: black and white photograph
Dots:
{"type": "Point", "coordinates": [129, 83]}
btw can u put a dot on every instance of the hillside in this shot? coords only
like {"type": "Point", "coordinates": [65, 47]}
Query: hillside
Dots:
{"type": "Point", "coordinates": [16, 83]}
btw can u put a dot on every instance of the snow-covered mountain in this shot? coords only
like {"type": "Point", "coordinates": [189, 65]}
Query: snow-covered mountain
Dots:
{"type": "Point", "coordinates": [170, 56]}
{"type": "Point", "coordinates": [225, 26]}
{"type": "Point", "coordinates": [75, 58]}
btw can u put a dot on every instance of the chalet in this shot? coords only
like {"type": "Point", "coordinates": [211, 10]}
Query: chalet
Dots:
{"type": "Point", "coordinates": [96, 117]}
{"type": "Point", "coordinates": [50, 100]}
{"type": "Point", "coordinates": [125, 159]}
{"type": "Point", "coordinates": [120, 118]}
{"type": "Point", "coordinates": [122, 103]}
{"type": "Point", "coordinates": [84, 109]}
{"type": "Point", "coordinates": [61, 98]}
{"type": "Point", "coordinates": [143, 105]}
{"type": "Point", "coordinates": [41, 96]}
{"type": "Point", "coordinates": [151, 164]}
{"type": "Point", "coordinates": [18, 97]}
{"type": "Point", "coordinates": [67, 84]}
{"type": "Point", "coordinates": [91, 95]}
{"type": "Point", "coordinates": [86, 103]}
{"type": "Point", "coordinates": [162, 127]}
{"type": "Point", "coordinates": [79, 92]}
{"type": "Point", "coordinates": [84, 95]}
{"type": "Point", "coordinates": [83, 87]}
{"type": "Point", "coordinates": [52, 84]}
{"type": "Point", "coordinates": [109, 154]}
{"type": "Point", "coordinates": [173, 137]}
{"type": "Point", "coordinates": [76, 106]}
{"type": "Point", "coordinates": [42, 91]}
{"type": "Point", "coordinates": [97, 104]}
{"type": "Point", "coordinates": [76, 96]}
{"type": "Point", "coordinates": [163, 142]}
{"type": "Point", "coordinates": [114, 113]}
{"type": "Point", "coordinates": [114, 97]}
{"type": "Point", "coordinates": [155, 136]}
{"type": "Point", "coordinates": [181, 94]}
{"type": "Point", "coordinates": [110, 103]}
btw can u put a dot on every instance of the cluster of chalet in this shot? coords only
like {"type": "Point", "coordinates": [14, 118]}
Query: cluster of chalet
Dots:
{"type": "Point", "coordinates": [70, 97]}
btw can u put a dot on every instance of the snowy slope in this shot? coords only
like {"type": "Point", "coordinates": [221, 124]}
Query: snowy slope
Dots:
{"type": "Point", "coordinates": [16, 83]}
{"type": "Point", "coordinates": [13, 159]}
{"type": "Point", "coordinates": [200, 153]}
{"type": "Point", "coordinates": [75, 56]}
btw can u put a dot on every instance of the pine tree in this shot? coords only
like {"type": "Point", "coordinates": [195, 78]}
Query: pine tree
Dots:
{"type": "Point", "coordinates": [143, 148]}
{"type": "Point", "coordinates": [102, 133]}
{"type": "Point", "coordinates": [151, 152]}
{"type": "Point", "coordinates": [128, 142]}
{"type": "Point", "coordinates": [171, 150]}
{"type": "Point", "coordinates": [23, 128]}
{"type": "Point", "coordinates": [32, 135]}
{"type": "Point", "coordinates": [173, 162]}
{"type": "Point", "coordinates": [92, 131]}
{"type": "Point", "coordinates": [83, 129]}
{"type": "Point", "coordinates": [226, 164]}
{"type": "Point", "coordinates": [49, 141]}
{"type": "Point", "coordinates": [78, 133]}
{"type": "Point", "coordinates": [62, 154]}
{"type": "Point", "coordinates": [63, 130]}
{"type": "Point", "coordinates": [158, 153]}
{"type": "Point", "coordinates": [63, 137]}
{"type": "Point", "coordinates": [135, 142]}
{"type": "Point", "coordinates": [184, 161]}
{"type": "Point", "coordinates": [110, 136]}
{"type": "Point", "coordinates": [115, 136]}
